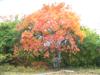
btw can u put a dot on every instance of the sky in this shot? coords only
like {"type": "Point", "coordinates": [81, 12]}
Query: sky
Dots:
{"type": "Point", "coordinates": [88, 10]}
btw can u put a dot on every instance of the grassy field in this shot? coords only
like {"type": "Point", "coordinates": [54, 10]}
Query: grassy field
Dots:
{"type": "Point", "coordinates": [20, 70]}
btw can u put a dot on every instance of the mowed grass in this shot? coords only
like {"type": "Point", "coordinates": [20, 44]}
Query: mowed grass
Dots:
{"type": "Point", "coordinates": [21, 70]}
{"type": "Point", "coordinates": [11, 68]}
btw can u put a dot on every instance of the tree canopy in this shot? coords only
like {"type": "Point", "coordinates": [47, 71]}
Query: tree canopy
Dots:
{"type": "Point", "coordinates": [52, 27]}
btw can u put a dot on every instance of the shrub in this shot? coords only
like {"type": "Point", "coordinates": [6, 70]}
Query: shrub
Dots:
{"type": "Point", "coordinates": [89, 51]}
{"type": "Point", "coordinates": [8, 36]}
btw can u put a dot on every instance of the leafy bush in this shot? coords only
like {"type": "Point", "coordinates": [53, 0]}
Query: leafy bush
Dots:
{"type": "Point", "coordinates": [26, 58]}
{"type": "Point", "coordinates": [5, 58]}
{"type": "Point", "coordinates": [89, 51]}
{"type": "Point", "coordinates": [8, 36]}
{"type": "Point", "coordinates": [2, 57]}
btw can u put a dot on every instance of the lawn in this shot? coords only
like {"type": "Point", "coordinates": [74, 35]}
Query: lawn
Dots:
{"type": "Point", "coordinates": [20, 70]}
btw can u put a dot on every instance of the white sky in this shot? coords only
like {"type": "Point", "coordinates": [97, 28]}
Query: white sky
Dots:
{"type": "Point", "coordinates": [88, 10]}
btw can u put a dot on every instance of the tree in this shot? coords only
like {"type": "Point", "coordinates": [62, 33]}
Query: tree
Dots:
{"type": "Point", "coordinates": [52, 28]}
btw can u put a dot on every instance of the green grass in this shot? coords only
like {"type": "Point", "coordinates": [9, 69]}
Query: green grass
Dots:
{"type": "Point", "coordinates": [21, 70]}
{"type": "Point", "coordinates": [11, 68]}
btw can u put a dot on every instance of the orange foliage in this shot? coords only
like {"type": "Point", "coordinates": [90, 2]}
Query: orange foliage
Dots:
{"type": "Point", "coordinates": [48, 27]}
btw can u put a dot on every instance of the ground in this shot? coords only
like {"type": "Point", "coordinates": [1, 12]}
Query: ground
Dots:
{"type": "Point", "coordinates": [20, 70]}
